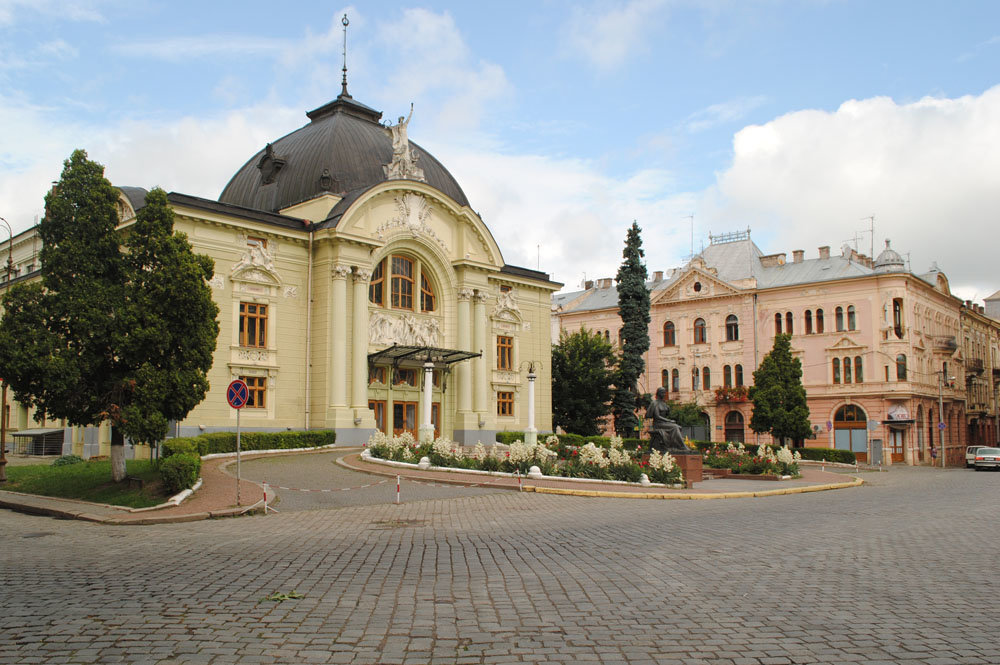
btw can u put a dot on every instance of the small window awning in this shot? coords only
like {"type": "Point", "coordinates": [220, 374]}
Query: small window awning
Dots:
{"type": "Point", "coordinates": [399, 355]}
{"type": "Point", "coordinates": [901, 423]}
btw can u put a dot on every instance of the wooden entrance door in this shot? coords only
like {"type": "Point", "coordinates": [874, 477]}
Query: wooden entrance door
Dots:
{"type": "Point", "coordinates": [404, 418]}
{"type": "Point", "coordinates": [896, 440]}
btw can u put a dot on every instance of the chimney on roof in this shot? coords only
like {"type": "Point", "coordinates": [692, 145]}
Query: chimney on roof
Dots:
{"type": "Point", "coordinates": [771, 260]}
{"type": "Point", "coordinates": [798, 255]}
{"type": "Point", "coordinates": [968, 303]}
{"type": "Point", "coordinates": [658, 276]}
{"type": "Point", "coordinates": [824, 252]}
{"type": "Point", "coordinates": [589, 284]}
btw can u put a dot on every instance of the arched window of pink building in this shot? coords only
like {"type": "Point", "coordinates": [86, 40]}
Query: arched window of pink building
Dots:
{"type": "Point", "coordinates": [665, 378]}
{"type": "Point", "coordinates": [727, 376]}
{"type": "Point", "coordinates": [739, 375]}
{"type": "Point", "coordinates": [839, 318]}
{"type": "Point", "coordinates": [901, 367]}
{"type": "Point", "coordinates": [675, 380]}
{"type": "Point", "coordinates": [700, 333]}
{"type": "Point", "coordinates": [734, 427]}
{"type": "Point", "coordinates": [809, 322]}
{"type": "Point", "coordinates": [669, 334]}
{"type": "Point", "coordinates": [788, 323]}
{"type": "Point", "coordinates": [847, 370]}
{"type": "Point", "coordinates": [859, 376]}
{"type": "Point", "coordinates": [732, 328]}
{"type": "Point", "coordinates": [706, 378]}
{"type": "Point", "coordinates": [851, 319]}
{"type": "Point", "coordinates": [819, 321]}
{"type": "Point", "coordinates": [694, 378]}
{"type": "Point", "coordinates": [777, 323]}
{"type": "Point", "coordinates": [836, 370]}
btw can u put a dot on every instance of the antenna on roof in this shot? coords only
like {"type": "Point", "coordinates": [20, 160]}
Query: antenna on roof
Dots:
{"type": "Point", "coordinates": [871, 231]}
{"type": "Point", "coordinates": [343, 82]}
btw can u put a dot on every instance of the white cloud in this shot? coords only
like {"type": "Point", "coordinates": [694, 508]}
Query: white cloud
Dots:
{"type": "Point", "coordinates": [928, 170]}
{"type": "Point", "coordinates": [724, 112]}
{"type": "Point", "coordinates": [608, 38]}
{"type": "Point", "coordinates": [83, 10]}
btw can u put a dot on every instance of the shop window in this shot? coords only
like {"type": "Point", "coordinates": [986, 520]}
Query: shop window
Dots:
{"type": "Point", "coordinates": [505, 403]}
{"type": "Point", "coordinates": [700, 333]}
{"type": "Point", "coordinates": [505, 352]}
{"type": "Point", "coordinates": [669, 334]}
{"type": "Point", "coordinates": [732, 328]}
{"type": "Point", "coordinates": [253, 325]}
{"type": "Point", "coordinates": [258, 391]}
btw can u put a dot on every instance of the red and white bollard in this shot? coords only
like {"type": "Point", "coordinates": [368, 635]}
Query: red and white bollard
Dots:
{"type": "Point", "coordinates": [397, 490]}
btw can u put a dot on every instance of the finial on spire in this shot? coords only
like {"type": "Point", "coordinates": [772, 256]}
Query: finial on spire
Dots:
{"type": "Point", "coordinates": [343, 82]}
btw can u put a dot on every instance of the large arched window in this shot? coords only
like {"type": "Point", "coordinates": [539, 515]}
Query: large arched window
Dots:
{"type": "Point", "coordinates": [839, 318]}
{"type": "Point", "coordinates": [727, 376]}
{"type": "Point", "coordinates": [738, 370]}
{"type": "Point", "coordinates": [706, 378]}
{"type": "Point", "coordinates": [694, 378]}
{"type": "Point", "coordinates": [850, 425]}
{"type": "Point", "coordinates": [675, 380]}
{"type": "Point", "coordinates": [852, 322]}
{"type": "Point", "coordinates": [700, 334]}
{"type": "Point", "coordinates": [809, 322]}
{"type": "Point", "coordinates": [732, 328]}
{"type": "Point", "coordinates": [665, 378]}
{"type": "Point", "coordinates": [836, 370]}
{"type": "Point", "coordinates": [819, 321]}
{"type": "Point", "coordinates": [901, 367]}
{"type": "Point", "coordinates": [669, 334]}
{"type": "Point", "coordinates": [402, 273]}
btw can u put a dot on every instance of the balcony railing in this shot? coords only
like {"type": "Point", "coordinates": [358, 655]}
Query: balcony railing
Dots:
{"type": "Point", "coordinates": [974, 365]}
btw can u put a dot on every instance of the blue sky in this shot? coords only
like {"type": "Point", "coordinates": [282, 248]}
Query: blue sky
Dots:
{"type": "Point", "coordinates": [563, 121]}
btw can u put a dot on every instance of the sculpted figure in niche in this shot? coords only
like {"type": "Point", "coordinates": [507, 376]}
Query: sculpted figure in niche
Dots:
{"type": "Point", "coordinates": [664, 433]}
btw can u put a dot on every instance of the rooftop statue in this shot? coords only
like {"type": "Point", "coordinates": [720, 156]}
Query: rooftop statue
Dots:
{"type": "Point", "coordinates": [404, 160]}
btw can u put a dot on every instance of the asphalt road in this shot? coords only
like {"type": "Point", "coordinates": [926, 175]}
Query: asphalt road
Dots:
{"type": "Point", "coordinates": [898, 571]}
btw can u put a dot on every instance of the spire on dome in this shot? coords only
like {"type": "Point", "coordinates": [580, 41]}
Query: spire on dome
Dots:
{"type": "Point", "coordinates": [343, 81]}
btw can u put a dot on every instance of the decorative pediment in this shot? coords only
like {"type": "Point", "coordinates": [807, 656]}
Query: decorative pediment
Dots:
{"type": "Point", "coordinates": [405, 329]}
{"type": "Point", "coordinates": [256, 265]}
{"type": "Point", "coordinates": [506, 308]}
{"type": "Point", "coordinates": [696, 282]}
{"type": "Point", "coordinates": [845, 344]}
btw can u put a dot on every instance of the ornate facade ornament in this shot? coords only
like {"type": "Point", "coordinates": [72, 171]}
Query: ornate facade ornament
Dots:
{"type": "Point", "coordinates": [269, 165]}
{"type": "Point", "coordinates": [481, 297]}
{"type": "Point", "coordinates": [217, 282]}
{"type": "Point", "coordinates": [255, 256]}
{"type": "Point", "coordinates": [506, 308]}
{"type": "Point", "coordinates": [413, 212]}
{"type": "Point", "coordinates": [291, 292]}
{"type": "Point", "coordinates": [465, 293]}
{"type": "Point", "coordinates": [406, 330]}
{"type": "Point", "coordinates": [362, 274]}
{"type": "Point", "coordinates": [252, 355]}
{"type": "Point", "coordinates": [340, 271]}
{"type": "Point", "coordinates": [404, 159]}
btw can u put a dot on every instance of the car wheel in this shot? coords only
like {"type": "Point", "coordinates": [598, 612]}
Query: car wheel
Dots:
{"type": "Point", "coordinates": [979, 468]}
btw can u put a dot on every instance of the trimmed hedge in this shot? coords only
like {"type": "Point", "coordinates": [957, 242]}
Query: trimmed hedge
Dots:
{"type": "Point", "coordinates": [828, 454]}
{"type": "Point", "coordinates": [180, 471]}
{"type": "Point", "coordinates": [225, 442]}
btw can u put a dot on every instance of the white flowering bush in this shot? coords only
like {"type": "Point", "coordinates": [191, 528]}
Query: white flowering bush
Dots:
{"type": "Point", "coordinates": [662, 468]}
{"type": "Point", "coordinates": [402, 448]}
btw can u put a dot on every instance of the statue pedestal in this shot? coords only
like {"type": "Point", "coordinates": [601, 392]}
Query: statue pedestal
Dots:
{"type": "Point", "coordinates": [691, 468]}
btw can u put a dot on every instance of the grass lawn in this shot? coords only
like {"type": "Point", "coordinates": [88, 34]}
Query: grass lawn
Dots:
{"type": "Point", "coordinates": [89, 481]}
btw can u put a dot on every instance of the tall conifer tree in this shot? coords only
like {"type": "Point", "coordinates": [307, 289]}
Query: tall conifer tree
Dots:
{"type": "Point", "coordinates": [633, 308]}
{"type": "Point", "coordinates": [114, 335]}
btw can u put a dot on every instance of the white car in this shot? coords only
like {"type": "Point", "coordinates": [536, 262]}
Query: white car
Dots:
{"type": "Point", "coordinates": [970, 455]}
{"type": "Point", "coordinates": [987, 458]}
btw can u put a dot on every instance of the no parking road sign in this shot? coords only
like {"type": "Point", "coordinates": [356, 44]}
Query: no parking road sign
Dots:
{"type": "Point", "coordinates": [237, 394]}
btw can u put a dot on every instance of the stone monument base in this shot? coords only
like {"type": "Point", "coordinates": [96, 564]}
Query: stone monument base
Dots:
{"type": "Point", "coordinates": [690, 465]}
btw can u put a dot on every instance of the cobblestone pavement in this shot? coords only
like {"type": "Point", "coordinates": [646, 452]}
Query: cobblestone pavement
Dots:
{"type": "Point", "coordinates": [897, 571]}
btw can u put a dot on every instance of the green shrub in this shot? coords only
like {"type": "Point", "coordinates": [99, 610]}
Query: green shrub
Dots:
{"type": "Point", "coordinates": [180, 471]}
{"type": "Point", "coordinates": [66, 460]}
{"type": "Point", "coordinates": [225, 442]}
{"type": "Point", "coordinates": [509, 437]}
{"type": "Point", "coordinates": [828, 454]}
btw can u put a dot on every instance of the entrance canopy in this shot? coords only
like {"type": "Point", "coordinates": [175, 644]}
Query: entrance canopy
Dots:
{"type": "Point", "coordinates": [398, 355]}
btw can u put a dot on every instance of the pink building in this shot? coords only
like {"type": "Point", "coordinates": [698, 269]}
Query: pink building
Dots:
{"type": "Point", "coordinates": [879, 344]}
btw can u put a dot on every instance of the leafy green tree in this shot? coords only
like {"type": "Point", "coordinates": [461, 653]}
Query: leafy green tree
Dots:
{"type": "Point", "coordinates": [633, 308]}
{"type": "Point", "coordinates": [779, 400]}
{"type": "Point", "coordinates": [122, 326]}
{"type": "Point", "coordinates": [687, 414]}
{"type": "Point", "coordinates": [582, 373]}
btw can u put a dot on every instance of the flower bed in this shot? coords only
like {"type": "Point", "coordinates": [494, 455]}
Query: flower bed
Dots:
{"type": "Point", "coordinates": [587, 461]}
{"type": "Point", "coordinates": [766, 462]}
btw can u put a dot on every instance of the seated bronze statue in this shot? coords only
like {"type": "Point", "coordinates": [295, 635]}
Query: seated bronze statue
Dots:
{"type": "Point", "coordinates": [664, 433]}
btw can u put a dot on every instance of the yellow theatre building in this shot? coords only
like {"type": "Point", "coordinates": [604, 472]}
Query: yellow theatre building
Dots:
{"type": "Point", "coordinates": [358, 291]}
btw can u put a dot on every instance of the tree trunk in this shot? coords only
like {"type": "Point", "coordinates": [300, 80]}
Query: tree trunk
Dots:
{"type": "Point", "coordinates": [117, 455]}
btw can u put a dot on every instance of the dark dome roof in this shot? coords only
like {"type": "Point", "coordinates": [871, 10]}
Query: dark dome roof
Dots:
{"type": "Point", "coordinates": [343, 148]}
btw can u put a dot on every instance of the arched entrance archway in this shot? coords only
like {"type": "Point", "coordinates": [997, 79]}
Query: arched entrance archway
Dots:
{"type": "Point", "coordinates": [734, 427]}
{"type": "Point", "coordinates": [850, 430]}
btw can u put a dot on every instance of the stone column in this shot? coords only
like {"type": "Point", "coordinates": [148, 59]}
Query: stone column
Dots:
{"type": "Point", "coordinates": [479, 346]}
{"type": "Point", "coordinates": [426, 426]}
{"type": "Point", "coordinates": [531, 434]}
{"type": "Point", "coordinates": [338, 316]}
{"type": "Point", "coordinates": [464, 373]}
{"type": "Point", "coordinates": [359, 359]}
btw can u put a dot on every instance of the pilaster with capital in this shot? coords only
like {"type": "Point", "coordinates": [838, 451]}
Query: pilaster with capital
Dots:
{"type": "Point", "coordinates": [359, 361]}
{"type": "Point", "coordinates": [464, 374]}
{"type": "Point", "coordinates": [479, 344]}
{"type": "Point", "coordinates": [339, 274]}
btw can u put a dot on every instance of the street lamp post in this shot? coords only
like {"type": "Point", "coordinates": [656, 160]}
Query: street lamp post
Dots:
{"type": "Point", "coordinates": [3, 400]}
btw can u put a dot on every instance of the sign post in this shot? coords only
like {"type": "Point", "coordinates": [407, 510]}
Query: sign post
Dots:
{"type": "Point", "coordinates": [237, 395]}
